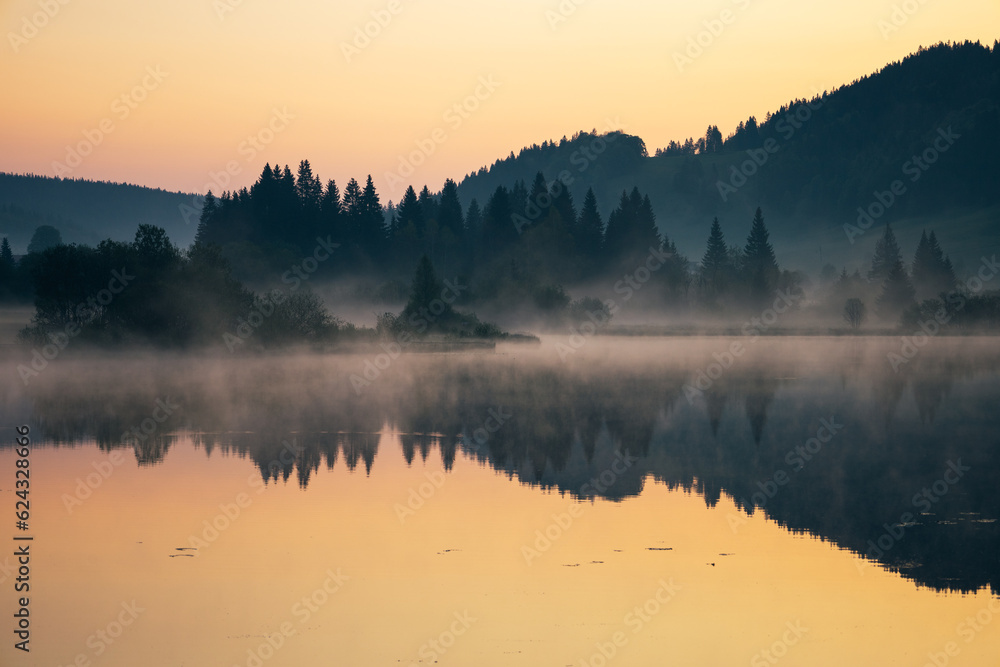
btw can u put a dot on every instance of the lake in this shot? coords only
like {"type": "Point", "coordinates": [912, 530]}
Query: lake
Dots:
{"type": "Point", "coordinates": [625, 501]}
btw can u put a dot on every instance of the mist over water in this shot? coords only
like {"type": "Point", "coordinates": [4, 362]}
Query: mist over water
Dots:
{"type": "Point", "coordinates": [822, 435]}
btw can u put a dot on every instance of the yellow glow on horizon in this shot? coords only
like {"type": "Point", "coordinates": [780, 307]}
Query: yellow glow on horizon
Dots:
{"type": "Point", "coordinates": [606, 60]}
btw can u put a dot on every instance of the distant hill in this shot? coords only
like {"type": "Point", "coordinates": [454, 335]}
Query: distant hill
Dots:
{"type": "Point", "coordinates": [87, 211]}
{"type": "Point", "coordinates": [828, 156]}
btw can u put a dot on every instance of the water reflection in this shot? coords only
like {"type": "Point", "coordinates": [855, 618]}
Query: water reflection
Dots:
{"type": "Point", "coordinates": [821, 434]}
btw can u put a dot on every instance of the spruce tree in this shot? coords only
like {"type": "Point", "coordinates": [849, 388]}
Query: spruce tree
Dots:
{"type": "Point", "coordinates": [450, 210]}
{"type": "Point", "coordinates": [308, 188]}
{"type": "Point", "coordinates": [331, 223]}
{"type": "Point", "coordinates": [933, 273]}
{"type": "Point", "coordinates": [410, 215]}
{"type": "Point", "coordinates": [715, 264]}
{"type": "Point", "coordinates": [632, 229]}
{"type": "Point", "coordinates": [208, 210]}
{"type": "Point", "coordinates": [759, 264]}
{"type": "Point", "coordinates": [620, 222]}
{"type": "Point", "coordinates": [372, 233]}
{"type": "Point", "coordinates": [7, 269]}
{"type": "Point", "coordinates": [6, 256]}
{"type": "Point", "coordinates": [352, 211]}
{"type": "Point", "coordinates": [474, 219]}
{"type": "Point", "coordinates": [590, 227]}
{"type": "Point", "coordinates": [886, 256]}
{"type": "Point", "coordinates": [647, 234]}
{"type": "Point", "coordinates": [499, 232]}
{"type": "Point", "coordinates": [424, 291]}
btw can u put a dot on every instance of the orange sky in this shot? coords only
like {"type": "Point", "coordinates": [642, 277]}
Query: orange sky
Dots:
{"type": "Point", "coordinates": [201, 77]}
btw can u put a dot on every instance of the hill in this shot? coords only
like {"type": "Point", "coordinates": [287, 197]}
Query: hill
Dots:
{"type": "Point", "coordinates": [88, 211]}
{"type": "Point", "coordinates": [929, 123]}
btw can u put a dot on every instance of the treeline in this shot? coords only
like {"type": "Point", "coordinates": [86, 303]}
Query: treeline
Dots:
{"type": "Point", "coordinates": [518, 250]}
{"type": "Point", "coordinates": [924, 294]}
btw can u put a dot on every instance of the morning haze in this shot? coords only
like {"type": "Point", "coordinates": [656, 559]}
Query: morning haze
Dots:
{"type": "Point", "coordinates": [522, 333]}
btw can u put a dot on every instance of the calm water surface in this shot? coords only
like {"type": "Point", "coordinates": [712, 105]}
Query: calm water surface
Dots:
{"type": "Point", "coordinates": [800, 503]}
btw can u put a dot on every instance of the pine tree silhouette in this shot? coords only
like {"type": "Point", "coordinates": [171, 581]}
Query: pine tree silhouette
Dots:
{"type": "Point", "coordinates": [759, 264]}
{"type": "Point", "coordinates": [886, 256]}
{"type": "Point", "coordinates": [715, 264]}
{"type": "Point", "coordinates": [590, 227]}
{"type": "Point", "coordinates": [933, 273]}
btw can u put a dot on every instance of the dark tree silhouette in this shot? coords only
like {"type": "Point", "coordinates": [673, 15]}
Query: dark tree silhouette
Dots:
{"type": "Point", "coordinates": [450, 216]}
{"type": "Point", "coordinates": [716, 266]}
{"type": "Point", "coordinates": [45, 237]}
{"type": "Point", "coordinates": [759, 265]}
{"type": "Point", "coordinates": [887, 256]}
{"type": "Point", "coordinates": [425, 294]}
{"type": "Point", "coordinates": [933, 273]}
{"type": "Point", "coordinates": [590, 227]}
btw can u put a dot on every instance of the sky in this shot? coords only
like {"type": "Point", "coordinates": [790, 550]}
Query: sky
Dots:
{"type": "Point", "coordinates": [196, 94]}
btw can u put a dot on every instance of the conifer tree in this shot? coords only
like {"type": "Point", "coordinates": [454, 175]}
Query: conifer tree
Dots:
{"type": "Point", "coordinates": [372, 232]}
{"type": "Point", "coordinates": [886, 256]}
{"type": "Point", "coordinates": [425, 290]}
{"type": "Point", "coordinates": [759, 264]}
{"type": "Point", "coordinates": [330, 212]}
{"type": "Point", "coordinates": [715, 264]}
{"type": "Point", "coordinates": [590, 227]}
{"type": "Point", "coordinates": [208, 210]}
{"type": "Point", "coordinates": [932, 271]}
{"type": "Point", "coordinates": [450, 210]}
{"type": "Point", "coordinates": [6, 256]}
{"type": "Point", "coordinates": [7, 269]}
